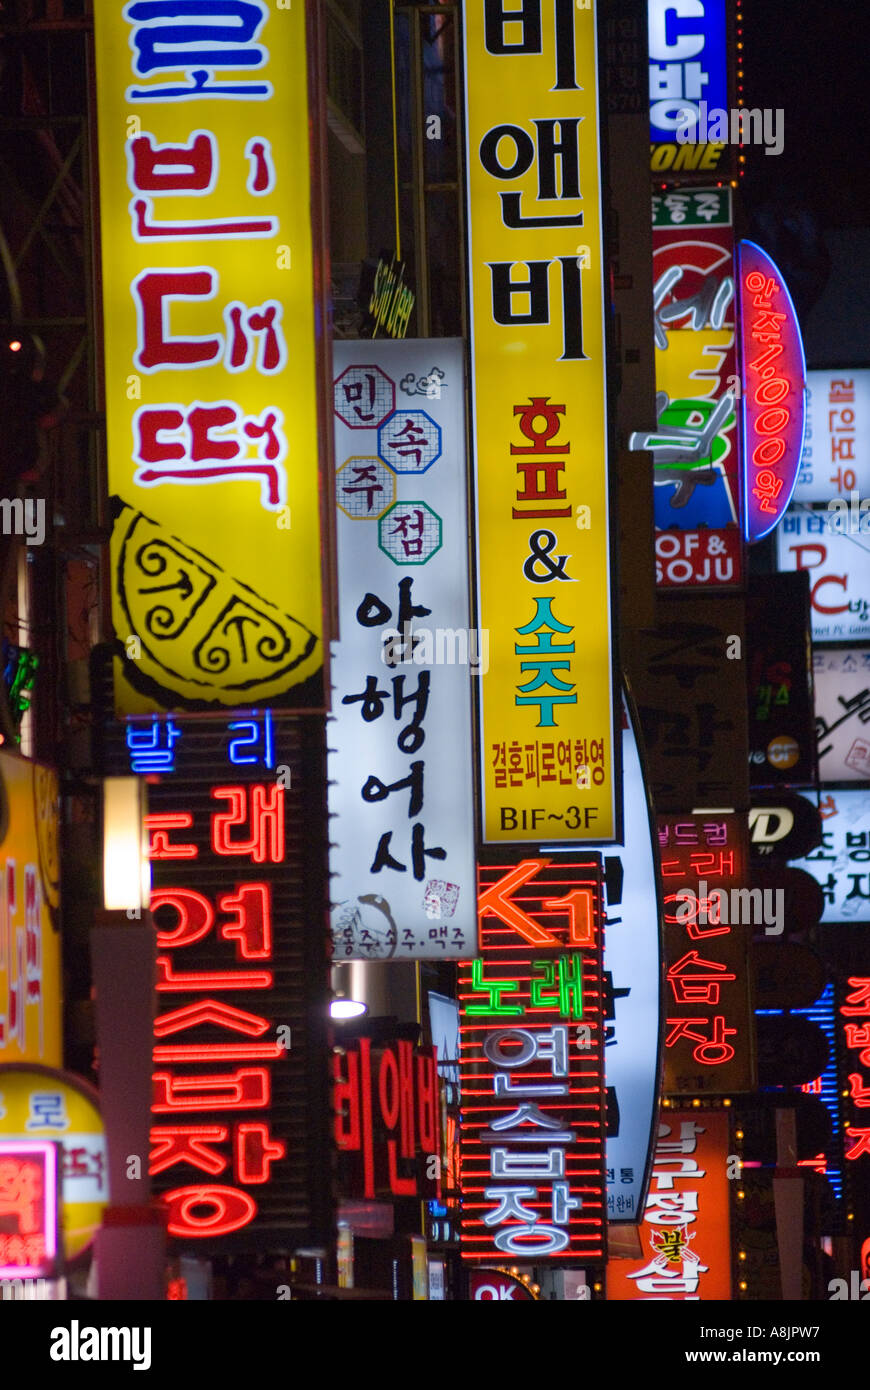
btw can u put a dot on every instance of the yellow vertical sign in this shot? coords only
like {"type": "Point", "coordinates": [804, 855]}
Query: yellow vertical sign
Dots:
{"type": "Point", "coordinates": [540, 420]}
{"type": "Point", "coordinates": [209, 311]}
{"type": "Point", "coordinates": [30, 963]}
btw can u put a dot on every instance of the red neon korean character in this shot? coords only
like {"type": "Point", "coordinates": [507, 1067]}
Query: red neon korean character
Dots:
{"type": "Point", "coordinates": [266, 840]}
{"type": "Point", "coordinates": [710, 1051]}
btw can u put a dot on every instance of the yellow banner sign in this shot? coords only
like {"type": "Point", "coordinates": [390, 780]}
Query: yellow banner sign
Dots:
{"type": "Point", "coordinates": [540, 421]}
{"type": "Point", "coordinates": [211, 399]}
{"type": "Point", "coordinates": [30, 967]}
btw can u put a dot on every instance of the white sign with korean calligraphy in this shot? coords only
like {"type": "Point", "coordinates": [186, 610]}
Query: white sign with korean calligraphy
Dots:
{"type": "Point", "coordinates": [842, 862]}
{"type": "Point", "coordinates": [400, 764]}
{"type": "Point", "coordinates": [836, 452]}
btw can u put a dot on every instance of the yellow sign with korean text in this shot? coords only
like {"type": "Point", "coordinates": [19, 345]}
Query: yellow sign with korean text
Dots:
{"type": "Point", "coordinates": [210, 355]}
{"type": "Point", "coordinates": [548, 753]}
{"type": "Point", "coordinates": [30, 958]}
{"type": "Point", "coordinates": [43, 1103]}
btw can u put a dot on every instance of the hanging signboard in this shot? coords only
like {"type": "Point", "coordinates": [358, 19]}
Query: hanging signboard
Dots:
{"type": "Point", "coordinates": [240, 1113]}
{"type": "Point", "coordinates": [709, 921]}
{"type": "Point", "coordinates": [841, 864]}
{"type": "Point", "coordinates": [694, 442]}
{"type": "Point", "coordinates": [28, 1209]}
{"type": "Point", "coordinates": [774, 379]}
{"type": "Point", "coordinates": [400, 764]}
{"type": "Point", "coordinates": [210, 356]}
{"type": "Point", "coordinates": [686, 1227]}
{"type": "Point", "coordinates": [855, 1040]}
{"type": "Point", "coordinates": [39, 1104]}
{"type": "Point", "coordinates": [836, 456]}
{"type": "Point", "coordinates": [842, 701]}
{"type": "Point", "coordinates": [688, 78]}
{"type": "Point", "coordinates": [532, 1126]}
{"type": "Point", "coordinates": [30, 964]}
{"type": "Point", "coordinates": [387, 1112]}
{"type": "Point", "coordinates": [549, 764]}
{"type": "Point", "coordinates": [838, 561]}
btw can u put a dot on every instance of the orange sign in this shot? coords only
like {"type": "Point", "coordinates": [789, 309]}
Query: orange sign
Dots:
{"type": "Point", "coordinates": [686, 1226]}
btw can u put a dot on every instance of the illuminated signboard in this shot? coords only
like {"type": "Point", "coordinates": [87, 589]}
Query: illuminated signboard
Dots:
{"type": "Point", "coordinates": [841, 681]}
{"type": "Point", "coordinates": [402, 862]}
{"type": "Point", "coordinates": [387, 1127]}
{"type": "Point", "coordinates": [633, 978]}
{"type": "Point", "coordinates": [241, 1087]}
{"type": "Point", "coordinates": [839, 567]}
{"type": "Point", "coordinates": [55, 1108]}
{"type": "Point", "coordinates": [836, 455]}
{"type": "Point", "coordinates": [694, 442]}
{"type": "Point", "coordinates": [211, 380]}
{"type": "Point", "coordinates": [28, 1208]}
{"type": "Point", "coordinates": [825, 1087]}
{"type": "Point", "coordinates": [841, 864]}
{"type": "Point", "coordinates": [855, 1018]}
{"type": "Point", "coordinates": [686, 1227]}
{"type": "Point", "coordinates": [549, 761]}
{"type": "Point", "coordinates": [532, 1126]}
{"type": "Point", "coordinates": [709, 921]}
{"type": "Point", "coordinates": [497, 1286]}
{"type": "Point", "coordinates": [782, 741]}
{"type": "Point", "coordinates": [30, 967]}
{"type": "Point", "coordinates": [774, 373]}
{"type": "Point", "coordinates": [687, 67]}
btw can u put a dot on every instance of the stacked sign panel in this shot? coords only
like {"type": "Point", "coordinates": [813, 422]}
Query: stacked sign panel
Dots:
{"type": "Point", "coordinates": [548, 756]}
{"type": "Point", "coordinates": [686, 1227]}
{"type": "Point", "coordinates": [531, 1064]}
{"type": "Point", "coordinates": [836, 454]}
{"type": "Point", "coordinates": [694, 443]}
{"type": "Point", "coordinates": [709, 918]}
{"type": "Point", "coordinates": [403, 866]}
{"type": "Point", "coordinates": [688, 83]}
{"type": "Point", "coordinates": [211, 398]}
{"type": "Point", "coordinates": [241, 1108]}
{"type": "Point", "coordinates": [30, 956]}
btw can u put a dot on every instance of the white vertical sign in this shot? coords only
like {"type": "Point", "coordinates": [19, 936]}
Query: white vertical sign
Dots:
{"type": "Point", "coordinates": [400, 764]}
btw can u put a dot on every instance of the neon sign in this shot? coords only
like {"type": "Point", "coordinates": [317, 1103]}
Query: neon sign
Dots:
{"type": "Point", "coordinates": [387, 1112]}
{"type": "Point", "coordinates": [856, 1029]}
{"type": "Point", "coordinates": [28, 1208]}
{"type": "Point", "coordinates": [240, 1064]}
{"type": "Point", "coordinates": [532, 1125]}
{"type": "Point", "coordinates": [708, 1025]}
{"type": "Point", "coordinates": [774, 377]}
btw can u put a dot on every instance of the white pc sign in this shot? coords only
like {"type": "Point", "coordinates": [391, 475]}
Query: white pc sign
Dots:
{"type": "Point", "coordinates": [838, 563]}
{"type": "Point", "coordinates": [403, 882]}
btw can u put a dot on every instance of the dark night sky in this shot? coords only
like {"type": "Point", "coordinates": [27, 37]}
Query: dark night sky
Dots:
{"type": "Point", "coordinates": [812, 58]}
{"type": "Point", "coordinates": [810, 205]}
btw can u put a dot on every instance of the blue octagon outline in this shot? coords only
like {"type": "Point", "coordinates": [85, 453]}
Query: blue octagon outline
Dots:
{"type": "Point", "coordinates": [406, 472]}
